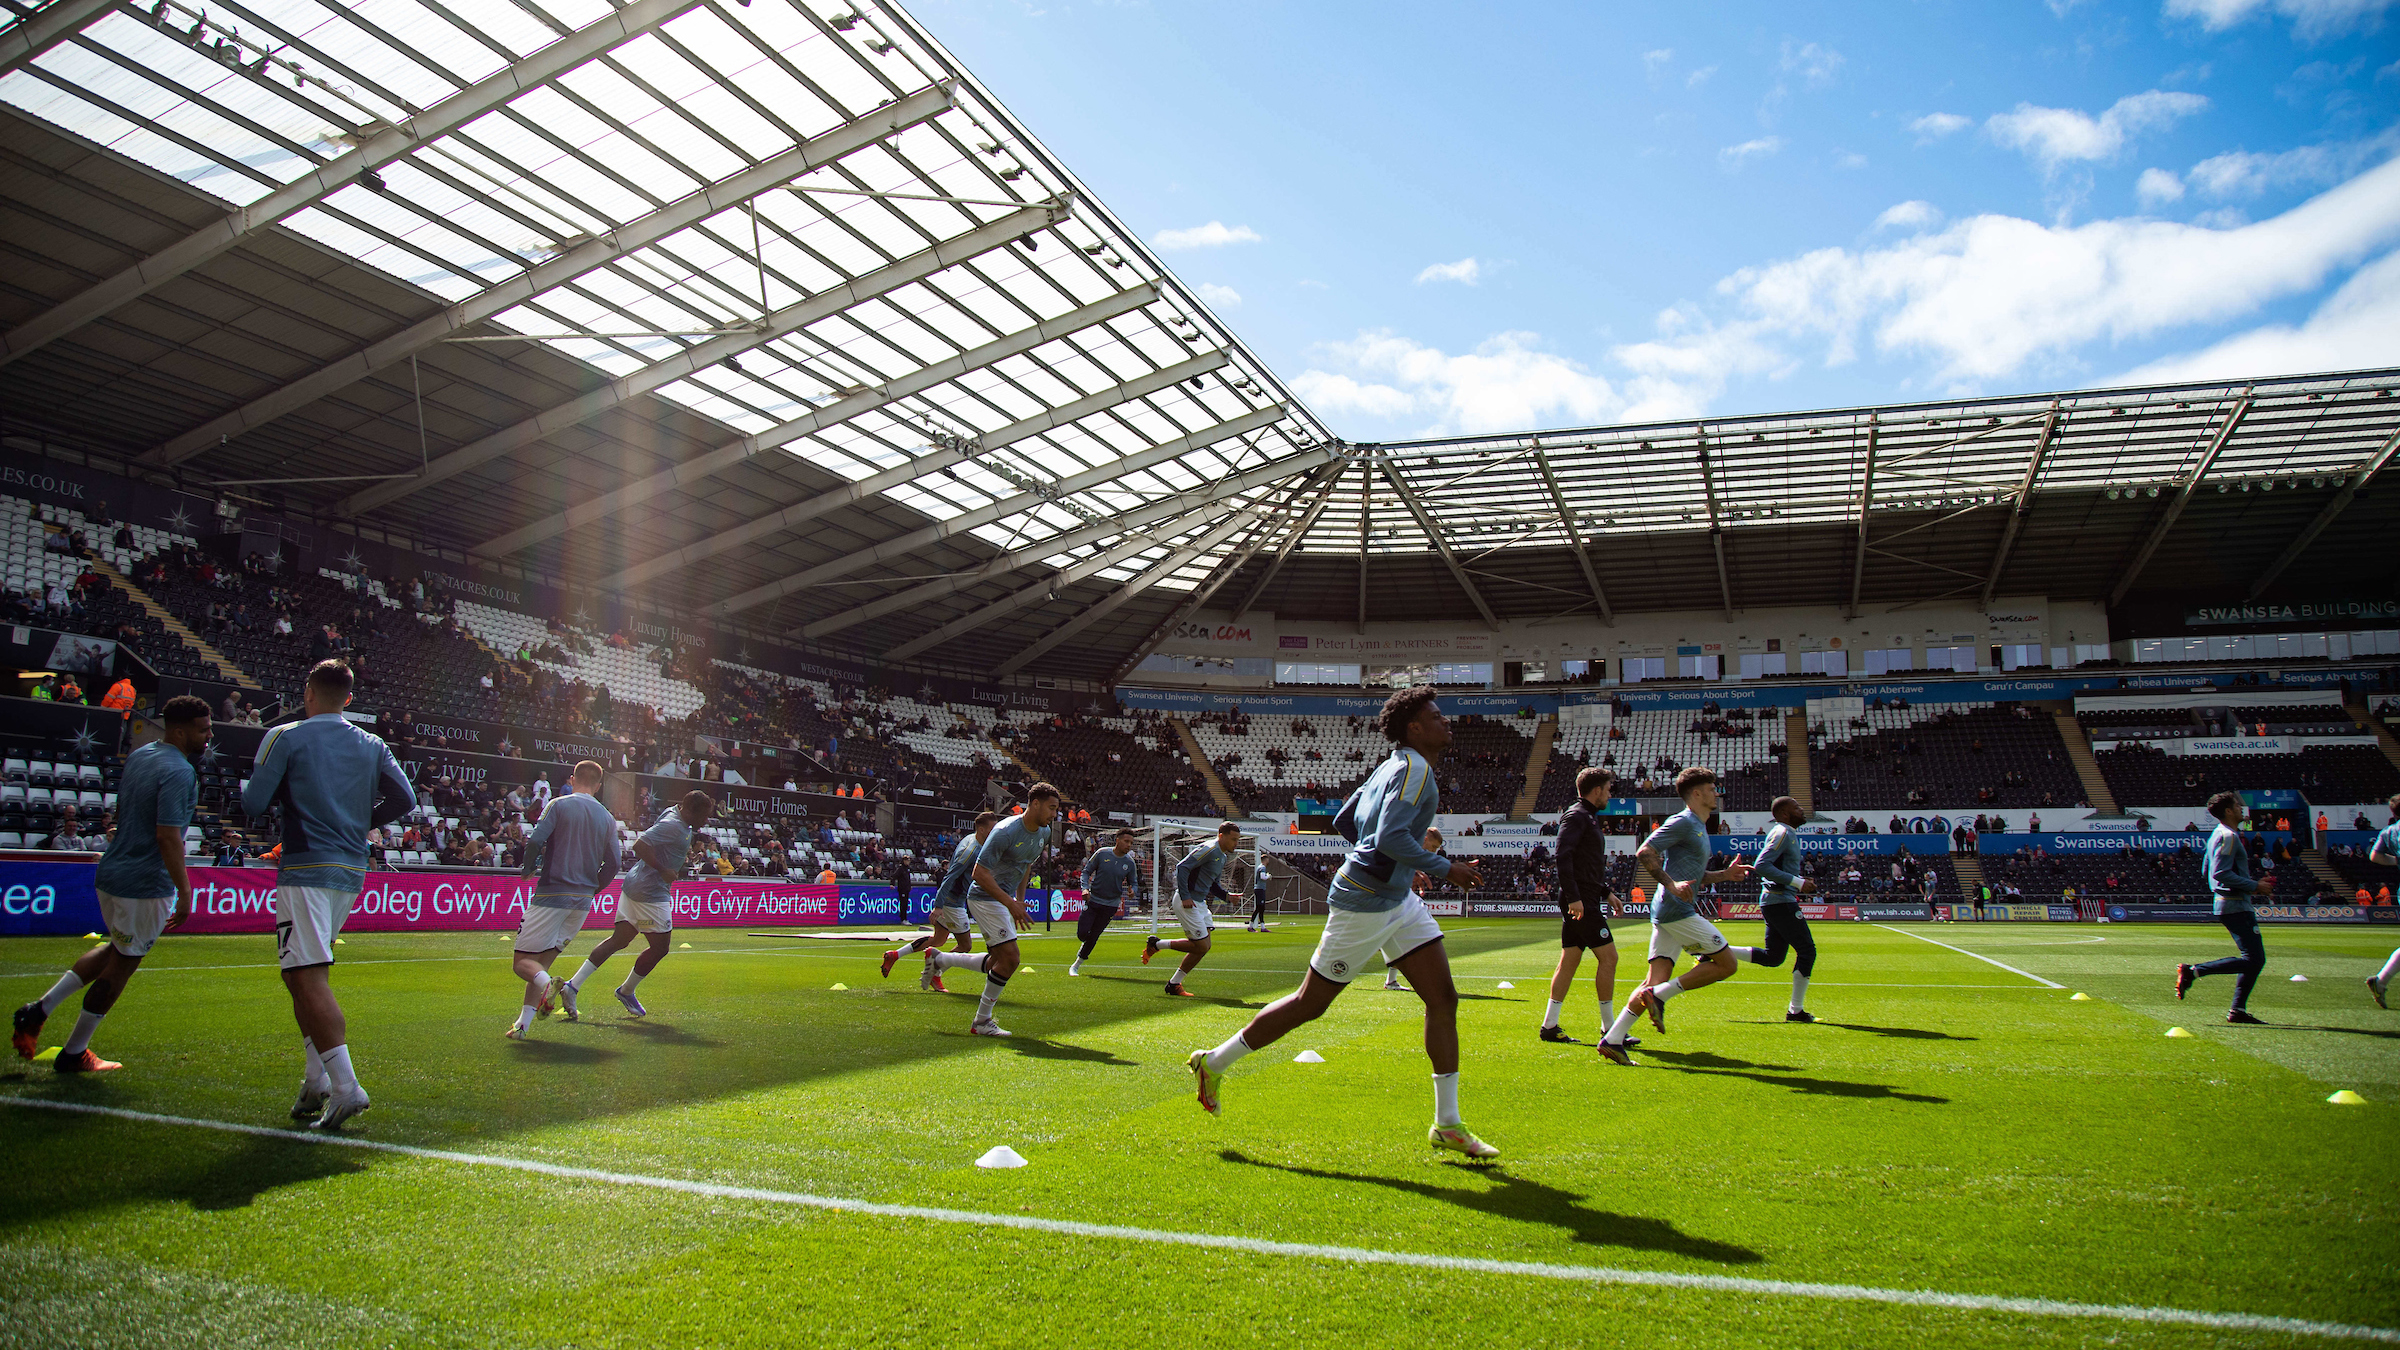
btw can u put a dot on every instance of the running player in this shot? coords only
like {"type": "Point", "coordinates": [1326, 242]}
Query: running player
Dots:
{"type": "Point", "coordinates": [1676, 855]}
{"type": "Point", "coordinates": [1111, 881]}
{"type": "Point", "coordinates": [949, 906]}
{"type": "Point", "coordinates": [2386, 850]}
{"type": "Point", "coordinates": [2230, 883]}
{"type": "Point", "coordinates": [1198, 879]}
{"type": "Point", "coordinates": [646, 902]}
{"type": "Point", "coordinates": [332, 782]}
{"type": "Point", "coordinates": [997, 902]}
{"type": "Point", "coordinates": [1779, 890]}
{"type": "Point", "coordinates": [1585, 900]}
{"type": "Point", "coordinates": [573, 850]}
{"type": "Point", "coordinates": [143, 888]}
{"type": "Point", "coordinates": [1371, 907]}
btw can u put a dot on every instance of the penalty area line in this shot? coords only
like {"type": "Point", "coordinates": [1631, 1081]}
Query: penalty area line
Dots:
{"type": "Point", "coordinates": [1721, 1284]}
{"type": "Point", "coordinates": [2046, 984]}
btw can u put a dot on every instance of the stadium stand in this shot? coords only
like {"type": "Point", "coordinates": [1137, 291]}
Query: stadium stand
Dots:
{"type": "Point", "coordinates": [47, 568]}
{"type": "Point", "coordinates": [2147, 776]}
{"type": "Point", "coordinates": [1647, 747]}
{"type": "Point", "coordinates": [1951, 756]}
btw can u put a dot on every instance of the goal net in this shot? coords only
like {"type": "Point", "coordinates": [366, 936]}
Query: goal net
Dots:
{"type": "Point", "coordinates": [1169, 846]}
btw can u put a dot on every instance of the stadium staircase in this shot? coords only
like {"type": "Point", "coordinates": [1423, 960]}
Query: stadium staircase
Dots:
{"type": "Point", "coordinates": [2087, 769]}
{"type": "Point", "coordinates": [1208, 772]}
{"type": "Point", "coordinates": [1306, 893]}
{"type": "Point", "coordinates": [2322, 868]}
{"type": "Point", "coordinates": [226, 669]}
{"type": "Point", "coordinates": [1800, 784]}
{"type": "Point", "coordinates": [1537, 764]}
{"type": "Point", "coordinates": [2373, 726]}
{"type": "Point", "coordinates": [1970, 873]}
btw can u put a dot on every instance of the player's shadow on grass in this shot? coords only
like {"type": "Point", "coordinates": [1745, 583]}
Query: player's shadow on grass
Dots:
{"type": "Point", "coordinates": [129, 1162]}
{"type": "Point", "coordinates": [1904, 1033]}
{"type": "Point", "coordinates": [1514, 1197]}
{"type": "Point", "coordinates": [561, 1052]}
{"type": "Point", "coordinates": [2346, 1031]}
{"type": "Point", "coordinates": [1033, 1048]}
{"type": "Point", "coordinates": [661, 1033]}
{"type": "Point", "coordinates": [1783, 1075]}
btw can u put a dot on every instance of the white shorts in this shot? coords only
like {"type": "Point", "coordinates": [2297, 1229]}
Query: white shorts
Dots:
{"type": "Point", "coordinates": [993, 919]}
{"type": "Point", "coordinates": [134, 925]}
{"type": "Point", "coordinates": [549, 929]}
{"type": "Point", "coordinates": [1197, 921]}
{"type": "Point", "coordinates": [307, 920]}
{"type": "Point", "coordinates": [952, 918]}
{"type": "Point", "coordinates": [1351, 936]}
{"type": "Point", "coordinates": [1688, 934]}
{"type": "Point", "coordinates": [646, 916]}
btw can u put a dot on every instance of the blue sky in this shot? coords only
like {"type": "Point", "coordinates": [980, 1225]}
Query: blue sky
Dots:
{"type": "Point", "coordinates": [1486, 218]}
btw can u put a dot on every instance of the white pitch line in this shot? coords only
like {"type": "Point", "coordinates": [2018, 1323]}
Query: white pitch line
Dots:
{"type": "Point", "coordinates": [1717, 1284]}
{"type": "Point", "coordinates": [1985, 959]}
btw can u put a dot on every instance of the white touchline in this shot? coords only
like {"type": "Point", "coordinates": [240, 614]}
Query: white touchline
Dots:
{"type": "Point", "coordinates": [2046, 984]}
{"type": "Point", "coordinates": [1719, 1284]}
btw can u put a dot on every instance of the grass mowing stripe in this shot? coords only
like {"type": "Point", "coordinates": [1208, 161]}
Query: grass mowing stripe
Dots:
{"type": "Point", "coordinates": [1728, 1284]}
{"type": "Point", "coordinates": [1964, 952]}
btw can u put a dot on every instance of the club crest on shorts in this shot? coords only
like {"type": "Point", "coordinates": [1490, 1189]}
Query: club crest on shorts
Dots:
{"type": "Point", "coordinates": [1340, 968]}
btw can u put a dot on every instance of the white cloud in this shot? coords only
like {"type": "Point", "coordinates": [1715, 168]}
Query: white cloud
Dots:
{"type": "Point", "coordinates": [1991, 296]}
{"type": "Point", "coordinates": [1465, 270]}
{"type": "Point", "coordinates": [1502, 385]}
{"type": "Point", "coordinates": [1816, 65]}
{"type": "Point", "coordinates": [2157, 187]}
{"type": "Point", "coordinates": [2357, 327]}
{"type": "Point", "coordinates": [2309, 18]}
{"type": "Point", "coordinates": [1698, 77]}
{"type": "Point", "coordinates": [1910, 216]}
{"type": "Point", "coordinates": [1215, 234]}
{"type": "Point", "coordinates": [1735, 156]}
{"type": "Point", "coordinates": [1934, 126]}
{"type": "Point", "coordinates": [1849, 159]}
{"type": "Point", "coordinates": [2246, 174]}
{"type": "Point", "coordinates": [1219, 297]}
{"type": "Point", "coordinates": [1656, 61]}
{"type": "Point", "coordinates": [2054, 136]}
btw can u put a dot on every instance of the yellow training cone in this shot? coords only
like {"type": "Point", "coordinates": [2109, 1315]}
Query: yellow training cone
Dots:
{"type": "Point", "coordinates": [841, 986]}
{"type": "Point", "coordinates": [2178, 1032]}
{"type": "Point", "coordinates": [2079, 998]}
{"type": "Point", "coordinates": [46, 1056]}
{"type": "Point", "coordinates": [2346, 1097]}
{"type": "Point", "coordinates": [94, 937]}
{"type": "Point", "coordinates": [687, 946]}
{"type": "Point", "coordinates": [341, 942]}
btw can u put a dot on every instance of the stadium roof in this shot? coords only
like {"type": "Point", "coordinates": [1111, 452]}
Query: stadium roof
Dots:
{"type": "Point", "coordinates": [767, 309]}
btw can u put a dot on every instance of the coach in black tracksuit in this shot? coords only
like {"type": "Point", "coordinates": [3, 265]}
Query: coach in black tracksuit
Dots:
{"type": "Point", "coordinates": [1584, 900]}
{"type": "Point", "coordinates": [1112, 879]}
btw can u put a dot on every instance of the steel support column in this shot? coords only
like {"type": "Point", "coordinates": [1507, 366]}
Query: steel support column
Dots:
{"type": "Point", "coordinates": [2341, 501]}
{"type": "Point", "coordinates": [1151, 576]}
{"type": "Point", "coordinates": [2182, 498]}
{"type": "Point", "coordinates": [1583, 555]}
{"type": "Point", "coordinates": [2018, 509]}
{"type": "Point", "coordinates": [1441, 545]}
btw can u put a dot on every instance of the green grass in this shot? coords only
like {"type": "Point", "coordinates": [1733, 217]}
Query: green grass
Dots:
{"type": "Point", "coordinates": [1949, 1126]}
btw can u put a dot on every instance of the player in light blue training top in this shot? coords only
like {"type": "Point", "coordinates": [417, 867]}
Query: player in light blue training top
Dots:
{"type": "Point", "coordinates": [1676, 855]}
{"type": "Point", "coordinates": [2232, 886]}
{"type": "Point", "coordinates": [646, 902]}
{"type": "Point", "coordinates": [1373, 907]}
{"type": "Point", "coordinates": [1112, 879]}
{"type": "Point", "coordinates": [572, 854]}
{"type": "Point", "coordinates": [1780, 887]}
{"type": "Point", "coordinates": [333, 781]}
{"type": "Point", "coordinates": [2386, 850]}
{"type": "Point", "coordinates": [949, 905]}
{"type": "Point", "coordinates": [997, 900]}
{"type": "Point", "coordinates": [143, 889]}
{"type": "Point", "coordinates": [1198, 880]}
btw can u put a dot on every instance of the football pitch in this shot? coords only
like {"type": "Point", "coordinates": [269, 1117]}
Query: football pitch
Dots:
{"type": "Point", "coordinates": [1973, 1157]}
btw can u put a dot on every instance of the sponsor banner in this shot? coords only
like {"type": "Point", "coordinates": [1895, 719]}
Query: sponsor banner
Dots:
{"type": "Point", "coordinates": [1835, 845]}
{"type": "Point", "coordinates": [1374, 647]}
{"type": "Point", "coordinates": [2103, 843]}
{"type": "Point", "coordinates": [1794, 694]}
{"type": "Point", "coordinates": [2383, 914]}
{"type": "Point", "coordinates": [1446, 909]}
{"type": "Point", "coordinates": [2311, 913]}
{"type": "Point", "coordinates": [1266, 703]}
{"type": "Point", "coordinates": [2325, 611]}
{"type": "Point", "coordinates": [1522, 908]}
{"type": "Point", "coordinates": [1894, 911]}
{"type": "Point", "coordinates": [57, 898]}
{"type": "Point", "coordinates": [1739, 909]}
{"type": "Point", "coordinates": [1502, 829]}
{"type": "Point", "coordinates": [2151, 913]}
{"type": "Point", "coordinates": [484, 738]}
{"type": "Point", "coordinates": [2216, 745]}
{"type": "Point", "coordinates": [884, 906]}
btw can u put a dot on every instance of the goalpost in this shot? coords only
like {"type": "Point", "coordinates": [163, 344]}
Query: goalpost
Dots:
{"type": "Point", "coordinates": [1169, 846]}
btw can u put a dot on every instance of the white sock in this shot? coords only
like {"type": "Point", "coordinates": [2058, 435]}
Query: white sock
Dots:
{"type": "Point", "coordinates": [312, 1077]}
{"type": "Point", "coordinates": [337, 1068]}
{"type": "Point", "coordinates": [1623, 1024]}
{"type": "Point", "coordinates": [1608, 1013]}
{"type": "Point", "coordinates": [1799, 992]}
{"type": "Point", "coordinates": [1550, 1018]}
{"type": "Point", "coordinates": [958, 961]}
{"type": "Point", "coordinates": [633, 980]}
{"type": "Point", "coordinates": [2390, 967]}
{"type": "Point", "coordinates": [70, 982]}
{"type": "Point", "coordinates": [524, 1017]}
{"type": "Point", "coordinates": [1663, 992]}
{"type": "Point", "coordinates": [1175, 979]}
{"type": "Point", "coordinates": [585, 973]}
{"type": "Point", "coordinates": [1741, 954]}
{"type": "Point", "coordinates": [85, 1024]}
{"type": "Point", "coordinates": [541, 983]}
{"type": "Point", "coordinates": [1445, 1099]}
{"type": "Point", "coordinates": [992, 985]}
{"type": "Point", "coordinates": [1227, 1055]}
